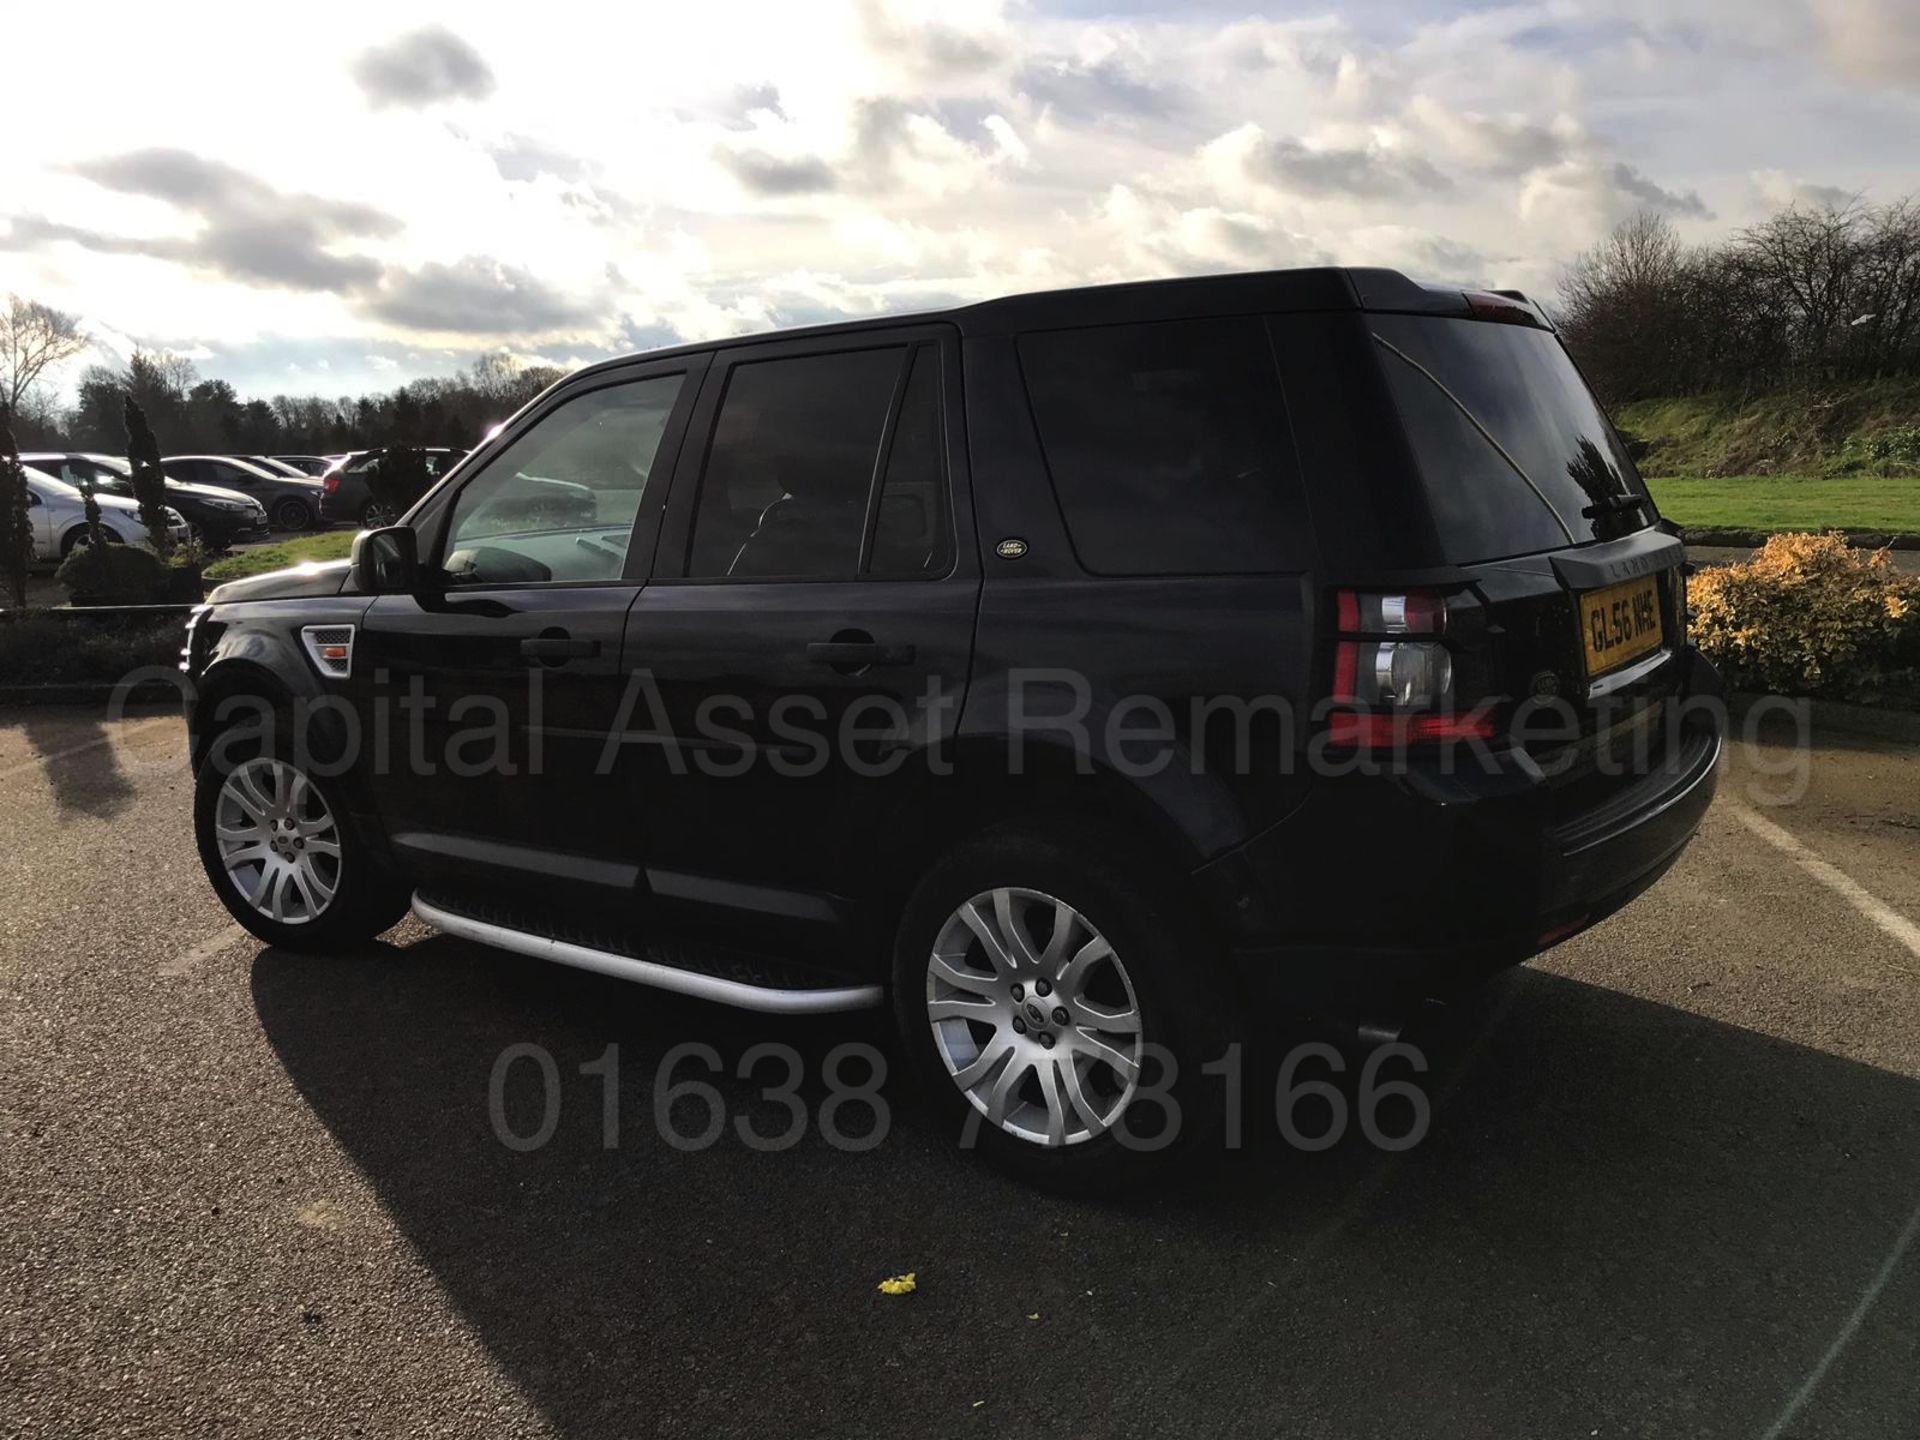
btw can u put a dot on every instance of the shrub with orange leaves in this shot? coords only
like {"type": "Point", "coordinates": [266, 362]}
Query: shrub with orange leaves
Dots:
{"type": "Point", "coordinates": [1809, 615]}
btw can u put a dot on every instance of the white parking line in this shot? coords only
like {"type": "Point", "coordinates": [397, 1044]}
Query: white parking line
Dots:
{"type": "Point", "coordinates": [185, 964]}
{"type": "Point", "coordinates": [1847, 1331]}
{"type": "Point", "coordinates": [84, 746]}
{"type": "Point", "coordinates": [1891, 922]}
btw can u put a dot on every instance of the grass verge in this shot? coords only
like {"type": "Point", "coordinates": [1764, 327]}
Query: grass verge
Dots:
{"type": "Point", "coordinates": [328, 545]}
{"type": "Point", "coordinates": [1791, 502]}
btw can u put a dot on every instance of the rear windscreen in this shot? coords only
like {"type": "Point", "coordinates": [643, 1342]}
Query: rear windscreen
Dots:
{"type": "Point", "coordinates": [1168, 446]}
{"type": "Point", "coordinates": [1514, 452]}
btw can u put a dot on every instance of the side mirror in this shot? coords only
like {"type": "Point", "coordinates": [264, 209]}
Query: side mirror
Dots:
{"type": "Point", "coordinates": [385, 562]}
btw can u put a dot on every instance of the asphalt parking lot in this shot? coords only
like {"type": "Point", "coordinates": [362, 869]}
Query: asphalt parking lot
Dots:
{"type": "Point", "coordinates": [1671, 1185]}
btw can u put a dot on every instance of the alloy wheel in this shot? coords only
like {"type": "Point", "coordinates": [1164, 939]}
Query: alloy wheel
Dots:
{"type": "Point", "coordinates": [1034, 1016]}
{"type": "Point", "coordinates": [278, 840]}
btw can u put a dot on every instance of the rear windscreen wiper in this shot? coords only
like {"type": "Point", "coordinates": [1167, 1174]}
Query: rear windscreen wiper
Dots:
{"type": "Point", "coordinates": [1613, 505]}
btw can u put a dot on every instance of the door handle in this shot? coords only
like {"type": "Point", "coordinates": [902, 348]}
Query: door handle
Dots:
{"type": "Point", "coordinates": [557, 647]}
{"type": "Point", "coordinates": [858, 654]}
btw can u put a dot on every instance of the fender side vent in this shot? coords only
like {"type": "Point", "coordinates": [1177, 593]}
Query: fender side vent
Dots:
{"type": "Point", "coordinates": [330, 647]}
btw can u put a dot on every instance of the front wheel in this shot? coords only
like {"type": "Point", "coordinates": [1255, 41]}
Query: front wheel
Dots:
{"type": "Point", "coordinates": [283, 855]}
{"type": "Point", "coordinates": [1058, 1002]}
{"type": "Point", "coordinates": [77, 537]}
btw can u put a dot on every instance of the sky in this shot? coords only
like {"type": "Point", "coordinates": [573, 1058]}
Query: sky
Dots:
{"type": "Point", "coordinates": [336, 200]}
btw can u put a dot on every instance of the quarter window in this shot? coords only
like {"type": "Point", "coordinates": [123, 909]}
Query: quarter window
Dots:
{"type": "Point", "coordinates": [559, 503]}
{"type": "Point", "coordinates": [1169, 446]}
{"type": "Point", "coordinates": [791, 466]}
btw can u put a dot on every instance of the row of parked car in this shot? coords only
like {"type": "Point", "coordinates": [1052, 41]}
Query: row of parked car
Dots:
{"type": "Point", "coordinates": [221, 500]}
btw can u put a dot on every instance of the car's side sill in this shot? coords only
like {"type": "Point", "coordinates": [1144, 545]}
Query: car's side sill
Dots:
{"type": "Point", "coordinates": [647, 972]}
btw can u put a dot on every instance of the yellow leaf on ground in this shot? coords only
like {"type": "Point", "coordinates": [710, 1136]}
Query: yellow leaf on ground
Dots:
{"type": "Point", "coordinates": [898, 1284]}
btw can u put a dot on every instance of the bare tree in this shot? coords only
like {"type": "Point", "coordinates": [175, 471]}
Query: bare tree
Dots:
{"type": "Point", "coordinates": [32, 338]}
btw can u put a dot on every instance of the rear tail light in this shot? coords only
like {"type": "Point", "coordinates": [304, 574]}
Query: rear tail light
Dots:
{"type": "Point", "coordinates": [1391, 667]}
{"type": "Point", "coordinates": [330, 484]}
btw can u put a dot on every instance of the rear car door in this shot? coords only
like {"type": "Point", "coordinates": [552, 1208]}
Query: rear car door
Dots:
{"type": "Point", "coordinates": [805, 644]}
{"type": "Point", "coordinates": [502, 675]}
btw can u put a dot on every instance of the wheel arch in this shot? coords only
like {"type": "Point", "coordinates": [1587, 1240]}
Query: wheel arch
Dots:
{"type": "Point", "coordinates": [215, 691]}
{"type": "Point", "coordinates": [1058, 792]}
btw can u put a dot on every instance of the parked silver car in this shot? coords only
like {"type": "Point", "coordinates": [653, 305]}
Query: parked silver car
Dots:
{"type": "Point", "coordinates": [59, 517]}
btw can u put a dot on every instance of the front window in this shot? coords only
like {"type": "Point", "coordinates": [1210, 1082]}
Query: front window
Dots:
{"type": "Point", "coordinates": [559, 503]}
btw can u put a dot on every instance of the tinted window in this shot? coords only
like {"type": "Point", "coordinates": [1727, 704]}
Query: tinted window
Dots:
{"type": "Point", "coordinates": [238, 470]}
{"type": "Point", "coordinates": [559, 502]}
{"type": "Point", "coordinates": [910, 531]}
{"type": "Point", "coordinates": [791, 465]}
{"type": "Point", "coordinates": [1514, 452]}
{"type": "Point", "coordinates": [1168, 446]}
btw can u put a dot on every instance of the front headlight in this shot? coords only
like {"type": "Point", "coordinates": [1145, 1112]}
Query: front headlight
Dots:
{"type": "Point", "coordinates": [237, 506]}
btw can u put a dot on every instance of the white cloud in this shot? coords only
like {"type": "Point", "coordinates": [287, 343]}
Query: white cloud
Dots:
{"type": "Point", "coordinates": [1877, 41]}
{"type": "Point", "coordinates": [706, 170]}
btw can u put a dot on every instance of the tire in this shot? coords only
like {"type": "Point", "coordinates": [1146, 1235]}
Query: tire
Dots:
{"type": "Point", "coordinates": [292, 515]}
{"type": "Point", "coordinates": [363, 900]}
{"type": "Point", "coordinates": [1163, 966]}
{"type": "Point", "coordinates": [376, 516]}
{"type": "Point", "coordinates": [77, 537]}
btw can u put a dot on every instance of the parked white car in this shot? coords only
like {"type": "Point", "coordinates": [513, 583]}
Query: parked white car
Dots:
{"type": "Point", "coordinates": [59, 516]}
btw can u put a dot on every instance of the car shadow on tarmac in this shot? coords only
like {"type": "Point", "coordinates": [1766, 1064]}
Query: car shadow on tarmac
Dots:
{"type": "Point", "coordinates": [1625, 1219]}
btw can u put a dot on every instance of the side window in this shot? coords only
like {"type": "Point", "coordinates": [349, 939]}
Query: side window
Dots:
{"type": "Point", "coordinates": [1169, 447]}
{"type": "Point", "coordinates": [559, 503]}
{"type": "Point", "coordinates": [911, 535]}
{"type": "Point", "coordinates": [790, 466]}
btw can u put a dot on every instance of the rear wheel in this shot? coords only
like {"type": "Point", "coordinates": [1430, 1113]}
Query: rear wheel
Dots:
{"type": "Point", "coordinates": [283, 854]}
{"type": "Point", "coordinates": [292, 515]}
{"type": "Point", "coordinates": [1058, 1001]}
{"type": "Point", "coordinates": [378, 514]}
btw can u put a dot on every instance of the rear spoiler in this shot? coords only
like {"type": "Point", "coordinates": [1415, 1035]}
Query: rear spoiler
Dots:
{"type": "Point", "coordinates": [1392, 292]}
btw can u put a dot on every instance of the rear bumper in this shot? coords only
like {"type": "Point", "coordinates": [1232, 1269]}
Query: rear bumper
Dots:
{"type": "Point", "coordinates": [343, 505]}
{"type": "Point", "coordinates": [1388, 890]}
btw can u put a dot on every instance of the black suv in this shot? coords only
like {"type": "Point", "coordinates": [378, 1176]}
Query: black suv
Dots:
{"type": "Point", "coordinates": [352, 490]}
{"type": "Point", "coordinates": [1067, 671]}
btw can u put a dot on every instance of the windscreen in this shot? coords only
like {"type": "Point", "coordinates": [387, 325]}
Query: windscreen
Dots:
{"type": "Point", "coordinates": [1513, 450]}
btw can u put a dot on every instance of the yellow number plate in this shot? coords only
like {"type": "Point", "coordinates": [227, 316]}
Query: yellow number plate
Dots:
{"type": "Point", "coordinates": [1620, 623]}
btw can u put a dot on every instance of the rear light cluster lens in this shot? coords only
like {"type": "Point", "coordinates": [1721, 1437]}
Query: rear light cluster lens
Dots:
{"type": "Point", "coordinates": [1402, 688]}
{"type": "Point", "coordinates": [1413, 613]}
{"type": "Point", "coordinates": [329, 484]}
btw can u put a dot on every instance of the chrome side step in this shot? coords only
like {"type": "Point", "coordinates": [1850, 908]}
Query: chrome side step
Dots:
{"type": "Point", "coordinates": [737, 993]}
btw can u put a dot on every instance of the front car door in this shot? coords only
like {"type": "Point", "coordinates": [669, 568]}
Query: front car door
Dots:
{"type": "Point", "coordinates": [502, 675]}
{"type": "Point", "coordinates": [804, 646]}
